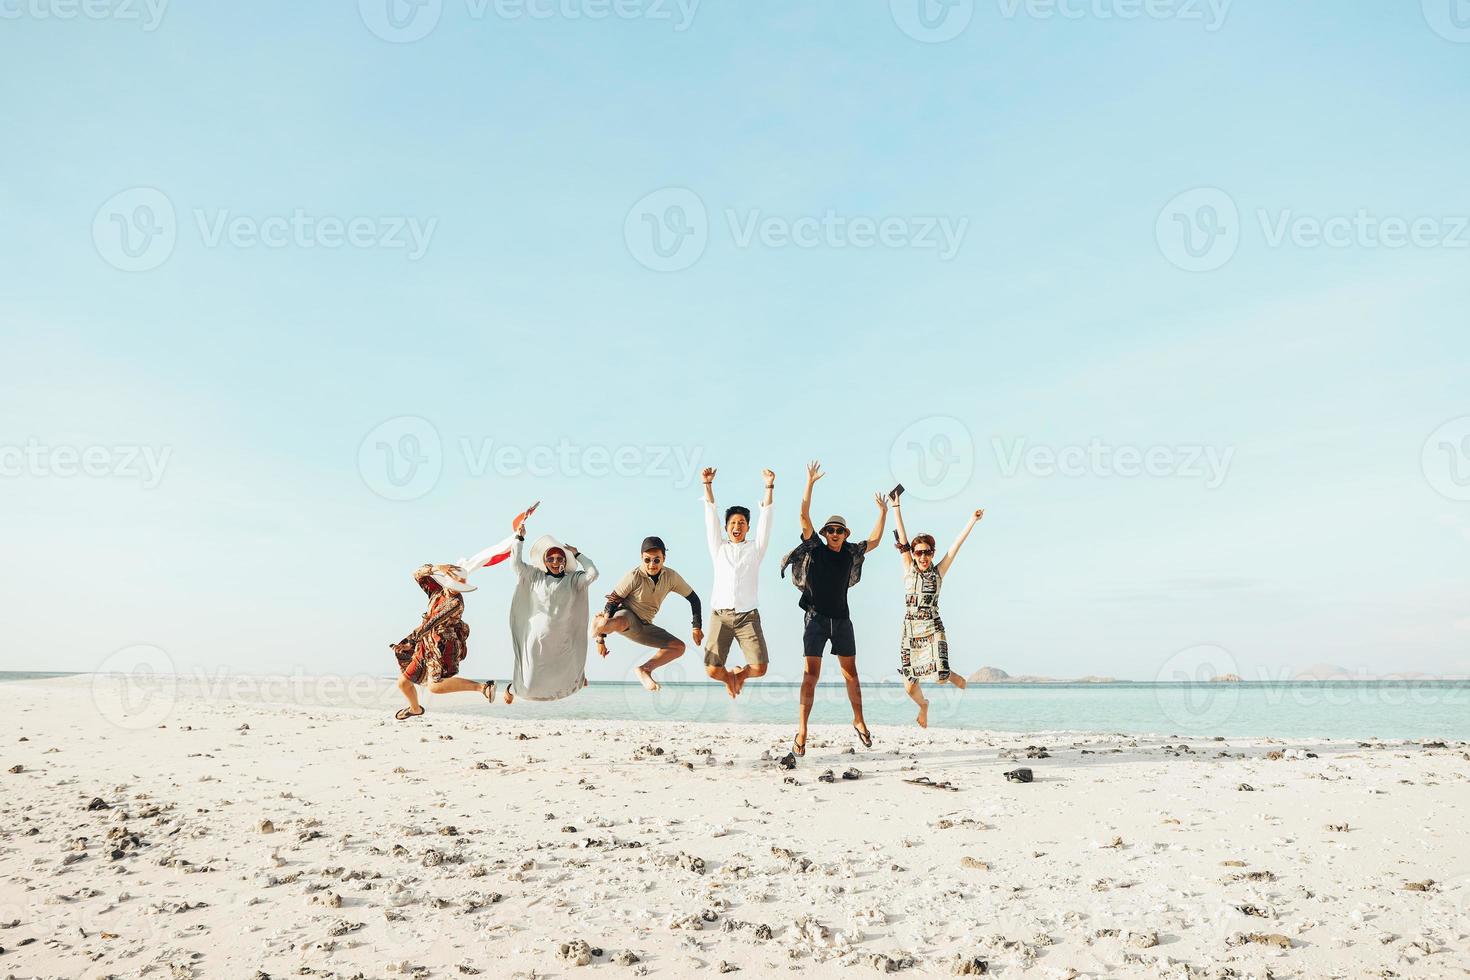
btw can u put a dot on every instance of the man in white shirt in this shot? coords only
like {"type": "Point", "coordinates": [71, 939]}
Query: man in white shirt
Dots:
{"type": "Point", "coordinates": [737, 562]}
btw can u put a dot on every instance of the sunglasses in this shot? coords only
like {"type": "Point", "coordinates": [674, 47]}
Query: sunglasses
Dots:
{"type": "Point", "coordinates": [923, 553]}
{"type": "Point", "coordinates": [550, 559]}
{"type": "Point", "coordinates": [835, 531]}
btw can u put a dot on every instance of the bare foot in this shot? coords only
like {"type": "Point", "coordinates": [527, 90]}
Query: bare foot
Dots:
{"type": "Point", "coordinates": [924, 715]}
{"type": "Point", "coordinates": [646, 678]}
{"type": "Point", "coordinates": [509, 697]}
{"type": "Point", "coordinates": [957, 680]}
{"type": "Point", "coordinates": [738, 677]}
{"type": "Point", "coordinates": [730, 685]}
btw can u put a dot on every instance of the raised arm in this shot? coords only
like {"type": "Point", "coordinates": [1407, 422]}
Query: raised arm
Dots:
{"type": "Point", "coordinates": [903, 534]}
{"type": "Point", "coordinates": [877, 535]}
{"type": "Point", "coordinates": [813, 474]}
{"type": "Point", "coordinates": [712, 536]}
{"type": "Point", "coordinates": [954, 549]}
{"type": "Point", "coordinates": [588, 573]}
{"type": "Point", "coordinates": [763, 530]}
{"type": "Point", "coordinates": [517, 551]}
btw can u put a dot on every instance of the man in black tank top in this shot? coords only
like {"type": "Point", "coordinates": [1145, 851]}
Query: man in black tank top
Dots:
{"type": "Point", "coordinates": [824, 567]}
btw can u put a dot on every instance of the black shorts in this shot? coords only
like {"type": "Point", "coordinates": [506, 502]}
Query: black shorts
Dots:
{"type": "Point", "coordinates": [820, 629]}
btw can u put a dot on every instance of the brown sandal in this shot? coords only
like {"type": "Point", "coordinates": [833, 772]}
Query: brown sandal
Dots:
{"type": "Point", "coordinates": [488, 689]}
{"type": "Point", "coordinates": [403, 714]}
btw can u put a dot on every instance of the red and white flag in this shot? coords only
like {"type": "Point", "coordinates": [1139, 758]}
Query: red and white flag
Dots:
{"type": "Point", "coordinates": [500, 550]}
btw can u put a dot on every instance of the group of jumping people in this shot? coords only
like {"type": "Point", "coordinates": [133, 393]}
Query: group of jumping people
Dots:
{"type": "Point", "coordinates": [549, 613]}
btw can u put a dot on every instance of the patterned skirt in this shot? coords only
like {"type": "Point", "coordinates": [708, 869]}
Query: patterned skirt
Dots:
{"type": "Point", "coordinates": [435, 656]}
{"type": "Point", "coordinates": [923, 649]}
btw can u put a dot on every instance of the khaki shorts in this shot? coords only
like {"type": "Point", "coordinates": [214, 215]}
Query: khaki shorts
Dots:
{"type": "Point", "coordinates": [726, 625]}
{"type": "Point", "coordinates": [645, 634]}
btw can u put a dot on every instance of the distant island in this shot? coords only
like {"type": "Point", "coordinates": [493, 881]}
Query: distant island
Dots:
{"type": "Point", "coordinates": [994, 675]}
{"type": "Point", "coordinates": [1226, 679]}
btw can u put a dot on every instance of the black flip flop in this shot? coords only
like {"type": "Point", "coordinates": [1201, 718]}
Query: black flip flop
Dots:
{"type": "Point", "coordinates": [488, 689]}
{"type": "Point", "coordinates": [865, 737]}
{"type": "Point", "coordinates": [798, 748]}
{"type": "Point", "coordinates": [403, 714]}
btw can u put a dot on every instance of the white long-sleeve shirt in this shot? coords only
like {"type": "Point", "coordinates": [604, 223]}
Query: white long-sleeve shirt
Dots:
{"type": "Point", "coordinates": [737, 566]}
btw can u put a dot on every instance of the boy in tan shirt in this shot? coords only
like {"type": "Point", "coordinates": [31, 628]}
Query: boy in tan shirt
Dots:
{"type": "Point", "coordinates": [636, 600]}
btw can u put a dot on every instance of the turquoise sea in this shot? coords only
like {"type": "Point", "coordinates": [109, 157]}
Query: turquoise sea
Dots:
{"type": "Point", "coordinates": [1418, 709]}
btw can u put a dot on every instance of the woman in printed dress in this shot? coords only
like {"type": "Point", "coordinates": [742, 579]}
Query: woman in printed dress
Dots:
{"type": "Point", "coordinates": [923, 647]}
{"type": "Point", "coordinates": [431, 654]}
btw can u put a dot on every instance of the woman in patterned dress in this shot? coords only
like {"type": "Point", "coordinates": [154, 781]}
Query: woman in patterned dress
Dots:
{"type": "Point", "coordinates": [431, 654]}
{"type": "Point", "coordinates": [923, 648]}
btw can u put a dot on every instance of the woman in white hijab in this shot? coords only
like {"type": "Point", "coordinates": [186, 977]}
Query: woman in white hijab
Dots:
{"type": "Point", "coordinates": [548, 619]}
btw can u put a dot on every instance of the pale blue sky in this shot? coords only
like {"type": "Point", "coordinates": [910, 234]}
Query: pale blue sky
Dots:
{"type": "Point", "coordinates": [520, 146]}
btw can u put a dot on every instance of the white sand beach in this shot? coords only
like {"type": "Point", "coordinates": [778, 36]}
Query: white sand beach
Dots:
{"type": "Point", "coordinates": [235, 840]}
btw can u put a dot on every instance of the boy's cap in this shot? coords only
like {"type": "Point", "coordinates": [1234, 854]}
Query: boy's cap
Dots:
{"type": "Point", "coordinates": [835, 521]}
{"type": "Point", "coordinates": [654, 543]}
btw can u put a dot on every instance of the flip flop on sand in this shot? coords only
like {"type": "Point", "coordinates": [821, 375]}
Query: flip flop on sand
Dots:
{"type": "Point", "coordinates": [403, 714]}
{"type": "Point", "coordinates": [798, 747]}
{"type": "Point", "coordinates": [865, 737]}
{"type": "Point", "coordinates": [488, 689]}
